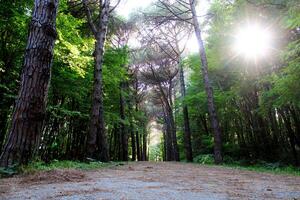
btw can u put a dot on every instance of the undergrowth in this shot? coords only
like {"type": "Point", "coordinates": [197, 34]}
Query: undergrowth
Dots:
{"type": "Point", "coordinates": [55, 164]}
{"type": "Point", "coordinates": [258, 165]}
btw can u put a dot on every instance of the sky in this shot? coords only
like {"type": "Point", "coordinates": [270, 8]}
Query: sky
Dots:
{"type": "Point", "coordinates": [126, 7]}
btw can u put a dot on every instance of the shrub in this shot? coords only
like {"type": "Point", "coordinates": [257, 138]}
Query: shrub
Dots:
{"type": "Point", "coordinates": [204, 159]}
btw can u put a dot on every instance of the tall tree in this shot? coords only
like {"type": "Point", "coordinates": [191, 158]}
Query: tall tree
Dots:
{"type": "Point", "coordinates": [13, 26]}
{"type": "Point", "coordinates": [186, 121]}
{"type": "Point", "coordinates": [159, 71]}
{"type": "Point", "coordinates": [208, 88]}
{"type": "Point", "coordinates": [97, 141]}
{"type": "Point", "coordinates": [183, 10]}
{"type": "Point", "coordinates": [29, 112]}
{"type": "Point", "coordinates": [119, 39]}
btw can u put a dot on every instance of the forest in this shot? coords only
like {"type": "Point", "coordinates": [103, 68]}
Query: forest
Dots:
{"type": "Point", "coordinates": [213, 81]}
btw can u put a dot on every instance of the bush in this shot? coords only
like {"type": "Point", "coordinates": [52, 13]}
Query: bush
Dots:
{"type": "Point", "coordinates": [204, 159]}
{"type": "Point", "coordinates": [7, 172]}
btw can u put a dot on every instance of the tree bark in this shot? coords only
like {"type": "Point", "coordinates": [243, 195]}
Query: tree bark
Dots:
{"type": "Point", "coordinates": [138, 146]}
{"type": "Point", "coordinates": [3, 127]}
{"type": "Point", "coordinates": [171, 127]}
{"type": "Point", "coordinates": [208, 88]}
{"type": "Point", "coordinates": [168, 138]}
{"type": "Point", "coordinates": [97, 140]}
{"type": "Point", "coordinates": [187, 130]}
{"type": "Point", "coordinates": [144, 152]}
{"type": "Point", "coordinates": [133, 148]}
{"type": "Point", "coordinates": [29, 112]}
{"type": "Point", "coordinates": [137, 137]}
{"type": "Point", "coordinates": [169, 107]}
{"type": "Point", "coordinates": [174, 137]}
{"type": "Point", "coordinates": [123, 131]}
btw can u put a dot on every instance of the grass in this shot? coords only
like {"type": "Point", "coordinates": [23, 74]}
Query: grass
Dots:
{"type": "Point", "coordinates": [258, 166]}
{"type": "Point", "coordinates": [207, 160]}
{"type": "Point", "coordinates": [284, 170]}
{"type": "Point", "coordinates": [65, 164]}
{"type": "Point", "coordinates": [273, 168]}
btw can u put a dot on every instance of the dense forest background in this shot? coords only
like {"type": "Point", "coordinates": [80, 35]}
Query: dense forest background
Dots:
{"type": "Point", "coordinates": [257, 101]}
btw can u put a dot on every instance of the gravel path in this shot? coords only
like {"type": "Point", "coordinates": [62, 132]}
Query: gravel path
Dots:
{"type": "Point", "coordinates": [146, 180]}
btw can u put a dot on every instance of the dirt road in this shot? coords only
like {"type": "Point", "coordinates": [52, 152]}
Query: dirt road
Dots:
{"type": "Point", "coordinates": [146, 180]}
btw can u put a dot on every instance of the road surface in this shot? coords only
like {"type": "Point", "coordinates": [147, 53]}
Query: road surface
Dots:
{"type": "Point", "coordinates": [150, 180]}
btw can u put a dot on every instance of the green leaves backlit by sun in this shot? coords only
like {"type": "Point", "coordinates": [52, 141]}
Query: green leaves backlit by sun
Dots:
{"type": "Point", "coordinates": [252, 41]}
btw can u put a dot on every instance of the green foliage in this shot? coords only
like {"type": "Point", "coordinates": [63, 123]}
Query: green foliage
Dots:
{"type": "Point", "coordinates": [251, 106]}
{"type": "Point", "coordinates": [13, 30]}
{"type": "Point", "coordinates": [273, 168]}
{"type": "Point", "coordinates": [8, 172]}
{"type": "Point", "coordinates": [247, 93]}
{"type": "Point", "coordinates": [65, 164]}
{"type": "Point", "coordinates": [204, 159]}
{"type": "Point", "coordinates": [155, 152]}
{"type": "Point", "coordinates": [258, 166]}
{"type": "Point", "coordinates": [55, 164]}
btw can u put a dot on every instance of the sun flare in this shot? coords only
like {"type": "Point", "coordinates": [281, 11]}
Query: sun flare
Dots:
{"type": "Point", "coordinates": [252, 41]}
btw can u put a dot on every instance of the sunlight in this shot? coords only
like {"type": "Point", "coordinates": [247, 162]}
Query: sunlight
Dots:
{"type": "Point", "coordinates": [129, 6]}
{"type": "Point", "coordinates": [192, 44]}
{"type": "Point", "coordinates": [252, 41]}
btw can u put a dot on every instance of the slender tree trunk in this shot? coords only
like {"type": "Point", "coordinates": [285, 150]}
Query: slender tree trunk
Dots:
{"type": "Point", "coordinates": [187, 130]}
{"type": "Point", "coordinates": [29, 112]}
{"type": "Point", "coordinates": [138, 146]}
{"type": "Point", "coordinates": [208, 88]}
{"type": "Point", "coordinates": [168, 137]}
{"type": "Point", "coordinates": [133, 148]}
{"type": "Point", "coordinates": [144, 154]}
{"type": "Point", "coordinates": [274, 127]}
{"type": "Point", "coordinates": [204, 122]}
{"type": "Point", "coordinates": [97, 140]}
{"type": "Point", "coordinates": [174, 138]}
{"type": "Point", "coordinates": [137, 134]}
{"type": "Point", "coordinates": [164, 143]}
{"type": "Point", "coordinates": [124, 136]}
{"type": "Point", "coordinates": [116, 142]}
{"type": "Point", "coordinates": [171, 119]}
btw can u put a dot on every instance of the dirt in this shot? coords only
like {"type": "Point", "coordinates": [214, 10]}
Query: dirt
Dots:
{"type": "Point", "coordinates": [149, 180]}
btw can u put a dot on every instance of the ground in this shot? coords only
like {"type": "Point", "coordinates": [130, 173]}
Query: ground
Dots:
{"type": "Point", "coordinates": [150, 180]}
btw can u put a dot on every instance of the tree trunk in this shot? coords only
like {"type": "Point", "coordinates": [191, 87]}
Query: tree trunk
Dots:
{"type": "Point", "coordinates": [290, 133]}
{"type": "Point", "coordinates": [168, 139]}
{"type": "Point", "coordinates": [164, 143]}
{"type": "Point", "coordinates": [3, 127]}
{"type": "Point", "coordinates": [208, 88]}
{"type": "Point", "coordinates": [169, 105]}
{"type": "Point", "coordinates": [204, 122]}
{"type": "Point", "coordinates": [169, 119]}
{"type": "Point", "coordinates": [124, 136]}
{"type": "Point", "coordinates": [133, 149]}
{"type": "Point", "coordinates": [187, 130]}
{"type": "Point", "coordinates": [97, 140]}
{"type": "Point", "coordinates": [174, 137]}
{"type": "Point", "coordinates": [29, 112]}
{"type": "Point", "coordinates": [144, 152]}
{"type": "Point", "coordinates": [138, 146]}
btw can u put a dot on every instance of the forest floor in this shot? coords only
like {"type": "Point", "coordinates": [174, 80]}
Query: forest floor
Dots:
{"type": "Point", "coordinates": [150, 180]}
